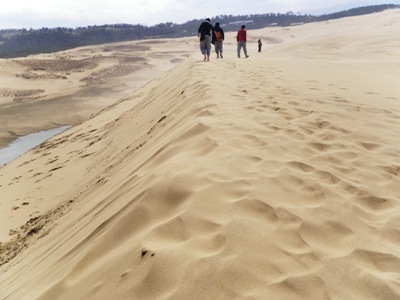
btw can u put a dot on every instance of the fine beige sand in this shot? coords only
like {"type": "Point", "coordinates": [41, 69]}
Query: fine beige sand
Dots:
{"type": "Point", "coordinates": [272, 177]}
{"type": "Point", "coordinates": [67, 87]}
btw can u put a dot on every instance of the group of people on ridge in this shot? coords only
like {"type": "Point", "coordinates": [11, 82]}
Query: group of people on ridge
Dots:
{"type": "Point", "coordinates": [215, 35]}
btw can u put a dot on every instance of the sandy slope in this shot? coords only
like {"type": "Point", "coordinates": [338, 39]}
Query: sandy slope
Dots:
{"type": "Point", "coordinates": [273, 177]}
{"type": "Point", "coordinates": [65, 88]}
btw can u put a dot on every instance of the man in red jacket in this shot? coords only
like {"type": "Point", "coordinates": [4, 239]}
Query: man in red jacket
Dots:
{"type": "Point", "coordinates": [241, 39]}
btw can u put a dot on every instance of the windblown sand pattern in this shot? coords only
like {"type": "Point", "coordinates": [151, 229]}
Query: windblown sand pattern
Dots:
{"type": "Point", "coordinates": [32, 75]}
{"type": "Point", "coordinates": [272, 177]}
{"type": "Point", "coordinates": [20, 94]}
{"type": "Point", "coordinates": [57, 65]}
{"type": "Point", "coordinates": [137, 47]}
{"type": "Point", "coordinates": [108, 73]}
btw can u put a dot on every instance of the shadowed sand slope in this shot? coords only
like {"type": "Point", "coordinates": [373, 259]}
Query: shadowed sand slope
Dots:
{"type": "Point", "coordinates": [273, 177]}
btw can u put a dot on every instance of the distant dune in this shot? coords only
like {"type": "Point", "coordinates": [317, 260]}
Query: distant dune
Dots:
{"type": "Point", "coordinates": [271, 177]}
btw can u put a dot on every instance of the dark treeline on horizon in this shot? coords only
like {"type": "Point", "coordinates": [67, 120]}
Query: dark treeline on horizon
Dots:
{"type": "Point", "coordinates": [23, 42]}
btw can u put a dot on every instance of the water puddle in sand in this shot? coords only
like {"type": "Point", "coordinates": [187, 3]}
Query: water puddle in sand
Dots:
{"type": "Point", "coordinates": [25, 143]}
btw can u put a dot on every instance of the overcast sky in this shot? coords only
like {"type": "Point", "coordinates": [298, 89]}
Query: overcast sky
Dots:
{"type": "Point", "coordinates": [75, 13]}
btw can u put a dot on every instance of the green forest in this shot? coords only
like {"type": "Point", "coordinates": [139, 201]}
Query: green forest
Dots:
{"type": "Point", "coordinates": [23, 42]}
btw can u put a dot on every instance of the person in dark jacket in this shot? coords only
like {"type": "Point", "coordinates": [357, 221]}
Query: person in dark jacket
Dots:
{"type": "Point", "coordinates": [241, 39]}
{"type": "Point", "coordinates": [204, 33]}
{"type": "Point", "coordinates": [218, 38]}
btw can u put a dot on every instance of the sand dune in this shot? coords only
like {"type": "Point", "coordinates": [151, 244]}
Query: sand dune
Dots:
{"type": "Point", "coordinates": [65, 88]}
{"type": "Point", "coordinates": [272, 177]}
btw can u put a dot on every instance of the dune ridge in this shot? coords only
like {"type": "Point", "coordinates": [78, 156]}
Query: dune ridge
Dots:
{"type": "Point", "coordinates": [273, 177]}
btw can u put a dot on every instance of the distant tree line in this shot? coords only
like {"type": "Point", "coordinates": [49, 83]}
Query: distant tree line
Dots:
{"type": "Point", "coordinates": [23, 42]}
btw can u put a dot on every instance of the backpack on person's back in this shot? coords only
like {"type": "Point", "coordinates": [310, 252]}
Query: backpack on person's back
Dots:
{"type": "Point", "coordinates": [218, 36]}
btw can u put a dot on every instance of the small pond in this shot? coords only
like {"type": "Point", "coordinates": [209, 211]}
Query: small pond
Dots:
{"type": "Point", "coordinates": [25, 143]}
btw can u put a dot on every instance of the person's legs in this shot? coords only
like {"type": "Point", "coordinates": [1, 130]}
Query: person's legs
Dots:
{"type": "Point", "coordinates": [245, 49]}
{"type": "Point", "coordinates": [239, 46]}
{"type": "Point", "coordinates": [218, 49]}
{"type": "Point", "coordinates": [203, 48]}
{"type": "Point", "coordinates": [208, 47]}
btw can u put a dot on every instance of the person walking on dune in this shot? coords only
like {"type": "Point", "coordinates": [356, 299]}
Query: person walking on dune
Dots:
{"type": "Point", "coordinates": [219, 39]}
{"type": "Point", "coordinates": [241, 39]}
{"type": "Point", "coordinates": [204, 33]}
